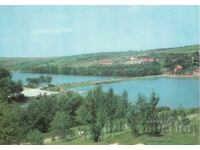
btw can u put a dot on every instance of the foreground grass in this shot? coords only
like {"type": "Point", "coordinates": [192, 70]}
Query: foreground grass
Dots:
{"type": "Point", "coordinates": [125, 138]}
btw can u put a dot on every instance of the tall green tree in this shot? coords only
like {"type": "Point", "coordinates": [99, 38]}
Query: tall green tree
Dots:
{"type": "Point", "coordinates": [60, 125]}
{"type": "Point", "coordinates": [133, 120]}
{"type": "Point", "coordinates": [111, 108]}
{"type": "Point", "coordinates": [101, 105]}
{"type": "Point", "coordinates": [69, 103]}
{"type": "Point", "coordinates": [143, 109]}
{"type": "Point", "coordinates": [92, 120]}
{"type": "Point", "coordinates": [153, 121]}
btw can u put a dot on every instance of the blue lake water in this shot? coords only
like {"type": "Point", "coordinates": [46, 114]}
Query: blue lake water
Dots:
{"type": "Point", "coordinates": [173, 92]}
{"type": "Point", "coordinates": [57, 79]}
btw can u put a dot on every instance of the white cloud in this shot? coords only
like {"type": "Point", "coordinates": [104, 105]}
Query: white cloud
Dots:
{"type": "Point", "coordinates": [52, 31]}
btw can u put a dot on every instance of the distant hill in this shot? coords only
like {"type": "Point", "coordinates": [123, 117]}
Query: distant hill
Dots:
{"type": "Point", "coordinates": [86, 60]}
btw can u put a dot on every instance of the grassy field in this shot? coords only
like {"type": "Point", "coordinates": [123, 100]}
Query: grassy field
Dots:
{"type": "Point", "coordinates": [125, 138]}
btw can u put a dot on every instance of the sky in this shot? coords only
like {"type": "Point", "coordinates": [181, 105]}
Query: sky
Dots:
{"type": "Point", "coordinates": [46, 31]}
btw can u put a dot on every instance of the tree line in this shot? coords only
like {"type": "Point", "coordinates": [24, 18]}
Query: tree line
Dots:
{"type": "Point", "coordinates": [101, 70]}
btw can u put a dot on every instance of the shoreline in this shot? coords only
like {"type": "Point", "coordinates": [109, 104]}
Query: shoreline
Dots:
{"type": "Point", "coordinates": [160, 75]}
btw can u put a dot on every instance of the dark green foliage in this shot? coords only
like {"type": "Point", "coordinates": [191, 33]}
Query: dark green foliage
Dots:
{"type": "Point", "coordinates": [4, 73]}
{"type": "Point", "coordinates": [39, 113]}
{"type": "Point", "coordinates": [114, 70]}
{"type": "Point", "coordinates": [11, 129]}
{"type": "Point", "coordinates": [42, 69]}
{"type": "Point", "coordinates": [9, 89]}
{"type": "Point", "coordinates": [69, 103]}
{"type": "Point", "coordinates": [60, 124]}
{"type": "Point", "coordinates": [92, 115]}
{"type": "Point", "coordinates": [42, 80]}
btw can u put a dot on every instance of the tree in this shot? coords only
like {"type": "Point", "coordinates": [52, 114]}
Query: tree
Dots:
{"type": "Point", "coordinates": [11, 131]}
{"type": "Point", "coordinates": [124, 105]}
{"type": "Point", "coordinates": [60, 124]}
{"type": "Point", "coordinates": [143, 109]}
{"type": "Point", "coordinates": [111, 108]}
{"type": "Point", "coordinates": [40, 81]}
{"type": "Point", "coordinates": [133, 120]}
{"type": "Point", "coordinates": [152, 121]}
{"type": "Point", "coordinates": [81, 118]}
{"type": "Point", "coordinates": [92, 119]}
{"type": "Point", "coordinates": [69, 103]}
{"type": "Point", "coordinates": [9, 89]}
{"type": "Point", "coordinates": [92, 112]}
{"type": "Point", "coordinates": [122, 108]}
{"type": "Point", "coordinates": [34, 137]}
{"type": "Point", "coordinates": [4, 73]}
{"type": "Point", "coordinates": [101, 105]}
{"type": "Point", "coordinates": [39, 113]}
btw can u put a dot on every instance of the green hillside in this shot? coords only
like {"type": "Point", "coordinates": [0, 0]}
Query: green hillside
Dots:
{"type": "Point", "coordinates": [85, 64]}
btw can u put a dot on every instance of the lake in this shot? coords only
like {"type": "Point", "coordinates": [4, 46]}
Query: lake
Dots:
{"type": "Point", "coordinates": [173, 92]}
{"type": "Point", "coordinates": [57, 79]}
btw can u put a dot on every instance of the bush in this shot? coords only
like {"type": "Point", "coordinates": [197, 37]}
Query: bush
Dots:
{"type": "Point", "coordinates": [34, 137]}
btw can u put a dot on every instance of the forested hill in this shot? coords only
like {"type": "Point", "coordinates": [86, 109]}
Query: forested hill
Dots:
{"type": "Point", "coordinates": [129, 63]}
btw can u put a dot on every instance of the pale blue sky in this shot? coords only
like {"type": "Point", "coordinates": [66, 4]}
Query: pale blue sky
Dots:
{"type": "Point", "coordinates": [68, 30]}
